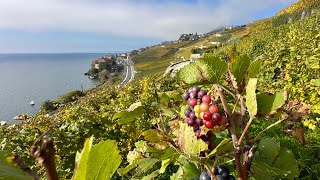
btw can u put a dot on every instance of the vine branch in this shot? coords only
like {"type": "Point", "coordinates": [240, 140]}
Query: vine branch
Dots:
{"type": "Point", "coordinates": [269, 127]}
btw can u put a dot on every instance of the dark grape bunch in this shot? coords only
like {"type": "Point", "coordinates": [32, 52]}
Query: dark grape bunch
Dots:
{"type": "Point", "coordinates": [221, 172]}
{"type": "Point", "coordinates": [202, 111]}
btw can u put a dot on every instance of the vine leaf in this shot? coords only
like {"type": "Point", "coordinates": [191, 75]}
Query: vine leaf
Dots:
{"type": "Point", "coordinates": [9, 171]}
{"type": "Point", "coordinates": [207, 69]}
{"type": "Point", "coordinates": [254, 69]}
{"type": "Point", "coordinates": [135, 111]}
{"type": "Point", "coordinates": [239, 66]}
{"type": "Point", "coordinates": [251, 99]}
{"type": "Point", "coordinates": [224, 146]}
{"type": "Point", "coordinates": [82, 159]}
{"type": "Point", "coordinates": [147, 163]}
{"type": "Point", "coordinates": [188, 142]}
{"type": "Point", "coordinates": [269, 148]}
{"type": "Point", "coordinates": [268, 103]}
{"type": "Point", "coordinates": [272, 161]}
{"type": "Point", "coordinates": [97, 162]}
{"type": "Point", "coordinates": [191, 171]}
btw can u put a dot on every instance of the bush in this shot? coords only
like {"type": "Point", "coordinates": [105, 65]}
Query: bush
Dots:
{"type": "Point", "coordinates": [70, 96]}
{"type": "Point", "coordinates": [49, 105]}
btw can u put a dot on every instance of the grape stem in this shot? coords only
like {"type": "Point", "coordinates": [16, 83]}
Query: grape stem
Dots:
{"type": "Point", "coordinates": [210, 171]}
{"type": "Point", "coordinates": [269, 127]}
{"type": "Point", "coordinates": [245, 130]}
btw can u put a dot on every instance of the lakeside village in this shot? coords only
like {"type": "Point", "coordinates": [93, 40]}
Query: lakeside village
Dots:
{"type": "Point", "coordinates": [110, 65]}
{"type": "Point", "coordinates": [106, 66]}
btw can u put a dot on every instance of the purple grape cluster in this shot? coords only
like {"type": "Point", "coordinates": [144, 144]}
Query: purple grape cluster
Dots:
{"type": "Point", "coordinates": [202, 111]}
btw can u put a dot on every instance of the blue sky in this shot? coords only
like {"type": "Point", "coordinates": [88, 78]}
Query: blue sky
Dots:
{"type": "Point", "coordinates": [117, 26]}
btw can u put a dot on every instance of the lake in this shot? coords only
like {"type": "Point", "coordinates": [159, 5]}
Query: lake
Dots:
{"type": "Point", "coordinates": [39, 77]}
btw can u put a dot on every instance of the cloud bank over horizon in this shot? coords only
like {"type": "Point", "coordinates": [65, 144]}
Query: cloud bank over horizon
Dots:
{"type": "Point", "coordinates": [138, 18]}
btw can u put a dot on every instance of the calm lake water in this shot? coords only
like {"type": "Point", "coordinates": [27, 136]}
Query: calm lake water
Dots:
{"type": "Point", "coordinates": [38, 77]}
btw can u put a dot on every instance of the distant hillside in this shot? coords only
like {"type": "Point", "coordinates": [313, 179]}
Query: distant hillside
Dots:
{"type": "Point", "coordinates": [300, 5]}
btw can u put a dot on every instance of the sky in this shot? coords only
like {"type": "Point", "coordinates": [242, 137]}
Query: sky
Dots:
{"type": "Point", "coordinates": [59, 26]}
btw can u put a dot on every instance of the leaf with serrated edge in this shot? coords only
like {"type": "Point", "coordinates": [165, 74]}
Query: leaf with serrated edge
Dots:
{"type": "Point", "coordinates": [207, 69]}
{"type": "Point", "coordinates": [103, 161]}
{"type": "Point", "coordinates": [251, 99]}
{"type": "Point", "coordinates": [267, 103]}
{"type": "Point", "coordinates": [188, 142]}
{"type": "Point", "coordinates": [239, 66]}
{"type": "Point", "coordinates": [82, 160]}
{"type": "Point", "coordinates": [223, 147]}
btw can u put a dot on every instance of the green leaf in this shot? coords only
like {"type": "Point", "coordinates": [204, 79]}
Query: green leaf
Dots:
{"type": "Point", "coordinates": [315, 82]}
{"type": "Point", "coordinates": [147, 163]}
{"type": "Point", "coordinates": [223, 147]}
{"type": "Point", "coordinates": [165, 99]}
{"type": "Point", "coordinates": [178, 175]}
{"type": "Point", "coordinates": [239, 66]}
{"type": "Point", "coordinates": [152, 135]}
{"type": "Point", "coordinates": [167, 111]}
{"type": "Point", "coordinates": [191, 171]}
{"type": "Point", "coordinates": [269, 149]}
{"type": "Point", "coordinates": [125, 170]}
{"type": "Point", "coordinates": [268, 103]}
{"type": "Point", "coordinates": [254, 69]}
{"type": "Point", "coordinates": [164, 165]}
{"type": "Point", "coordinates": [266, 172]}
{"type": "Point", "coordinates": [188, 142]}
{"type": "Point", "coordinates": [151, 176]}
{"type": "Point", "coordinates": [82, 159]}
{"type": "Point", "coordinates": [103, 161]}
{"type": "Point", "coordinates": [10, 172]}
{"type": "Point", "coordinates": [207, 69]}
{"type": "Point", "coordinates": [251, 101]}
{"type": "Point", "coordinates": [286, 161]}
{"type": "Point", "coordinates": [128, 116]}
{"type": "Point", "coordinates": [134, 106]}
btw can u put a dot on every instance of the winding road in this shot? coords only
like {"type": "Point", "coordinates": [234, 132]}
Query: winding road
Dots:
{"type": "Point", "coordinates": [129, 69]}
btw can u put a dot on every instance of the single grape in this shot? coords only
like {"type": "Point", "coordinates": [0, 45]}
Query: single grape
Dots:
{"type": "Point", "coordinates": [186, 120]}
{"type": "Point", "coordinates": [223, 170]}
{"type": "Point", "coordinates": [213, 108]}
{"type": "Point", "coordinates": [192, 102]}
{"type": "Point", "coordinates": [206, 99]}
{"type": "Point", "coordinates": [196, 89]}
{"type": "Point", "coordinates": [207, 116]}
{"type": "Point", "coordinates": [204, 107]}
{"type": "Point", "coordinates": [187, 112]}
{"type": "Point", "coordinates": [216, 117]}
{"type": "Point", "coordinates": [193, 94]}
{"type": "Point", "coordinates": [223, 121]}
{"type": "Point", "coordinates": [199, 121]}
{"type": "Point", "coordinates": [205, 176]}
{"type": "Point", "coordinates": [190, 90]}
{"type": "Point", "coordinates": [186, 96]}
{"type": "Point", "coordinates": [202, 93]}
{"type": "Point", "coordinates": [192, 115]}
{"type": "Point", "coordinates": [216, 171]}
{"type": "Point", "coordinates": [197, 108]}
{"type": "Point", "coordinates": [191, 122]}
{"type": "Point", "coordinates": [197, 115]}
{"type": "Point", "coordinates": [198, 133]}
{"type": "Point", "coordinates": [209, 124]}
{"type": "Point", "coordinates": [195, 127]}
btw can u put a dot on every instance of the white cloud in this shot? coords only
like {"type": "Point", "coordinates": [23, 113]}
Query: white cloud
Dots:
{"type": "Point", "coordinates": [139, 18]}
